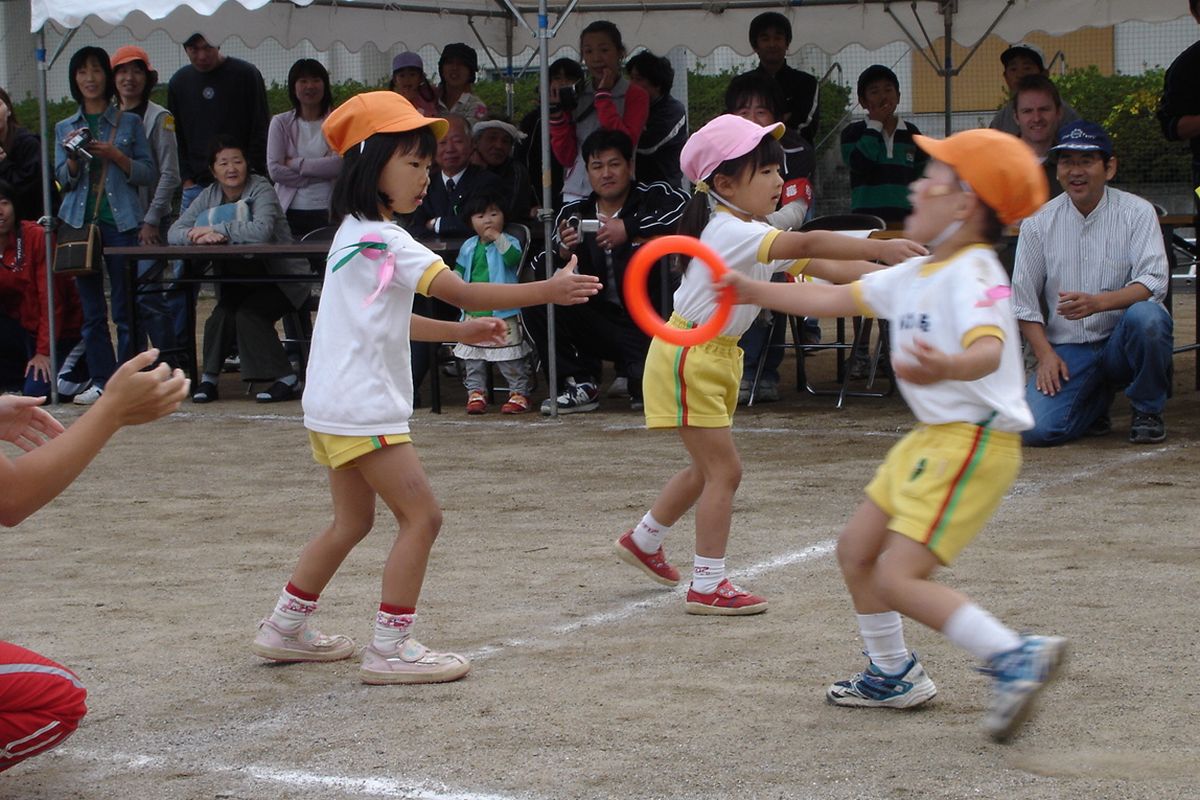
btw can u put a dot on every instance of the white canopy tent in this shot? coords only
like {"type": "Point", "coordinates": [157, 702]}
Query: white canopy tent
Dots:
{"type": "Point", "coordinates": [699, 25]}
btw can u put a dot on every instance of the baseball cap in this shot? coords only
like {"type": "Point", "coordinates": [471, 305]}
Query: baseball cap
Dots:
{"type": "Point", "coordinates": [407, 60]}
{"type": "Point", "coordinates": [725, 137]}
{"type": "Point", "coordinates": [1027, 49]}
{"type": "Point", "coordinates": [128, 53]}
{"type": "Point", "coordinates": [1001, 170]}
{"type": "Point", "coordinates": [366, 114]}
{"type": "Point", "coordinates": [507, 127]}
{"type": "Point", "coordinates": [194, 39]}
{"type": "Point", "coordinates": [1083, 136]}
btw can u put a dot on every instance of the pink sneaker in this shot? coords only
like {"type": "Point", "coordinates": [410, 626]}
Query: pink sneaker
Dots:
{"type": "Point", "coordinates": [727, 600]}
{"type": "Point", "coordinates": [303, 644]}
{"type": "Point", "coordinates": [653, 564]}
{"type": "Point", "coordinates": [411, 662]}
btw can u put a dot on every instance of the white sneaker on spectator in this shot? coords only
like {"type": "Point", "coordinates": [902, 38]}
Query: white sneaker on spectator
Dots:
{"type": "Point", "coordinates": [88, 396]}
{"type": "Point", "coordinates": [619, 387]}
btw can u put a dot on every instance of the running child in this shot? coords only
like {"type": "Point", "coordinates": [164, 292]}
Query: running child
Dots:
{"type": "Point", "coordinates": [957, 359]}
{"type": "Point", "coordinates": [492, 256]}
{"type": "Point", "coordinates": [734, 164]}
{"type": "Point", "coordinates": [358, 398]}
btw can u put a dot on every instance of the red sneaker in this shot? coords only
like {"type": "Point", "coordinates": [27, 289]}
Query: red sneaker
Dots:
{"type": "Point", "coordinates": [727, 600]}
{"type": "Point", "coordinates": [476, 403]}
{"type": "Point", "coordinates": [517, 404]}
{"type": "Point", "coordinates": [653, 564]}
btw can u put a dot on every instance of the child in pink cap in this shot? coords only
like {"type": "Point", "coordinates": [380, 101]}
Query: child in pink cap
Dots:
{"type": "Point", "coordinates": [734, 164]}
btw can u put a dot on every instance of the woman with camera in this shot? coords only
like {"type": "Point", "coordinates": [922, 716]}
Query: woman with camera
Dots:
{"type": "Point", "coordinates": [607, 100]}
{"type": "Point", "coordinates": [240, 208]}
{"type": "Point", "coordinates": [101, 157]}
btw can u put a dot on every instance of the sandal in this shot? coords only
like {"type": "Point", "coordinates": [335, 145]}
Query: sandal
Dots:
{"type": "Point", "coordinates": [278, 392]}
{"type": "Point", "coordinates": [206, 392]}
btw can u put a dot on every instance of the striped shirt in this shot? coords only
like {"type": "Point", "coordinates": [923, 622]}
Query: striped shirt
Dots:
{"type": "Point", "coordinates": [1060, 250]}
{"type": "Point", "coordinates": [882, 167]}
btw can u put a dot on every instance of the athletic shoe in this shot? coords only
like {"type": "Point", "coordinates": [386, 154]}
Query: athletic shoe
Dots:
{"type": "Point", "coordinates": [618, 388]}
{"type": "Point", "coordinates": [476, 403]}
{"type": "Point", "coordinates": [1101, 426]}
{"type": "Point", "coordinates": [1018, 676]}
{"type": "Point", "coordinates": [768, 391]}
{"type": "Point", "coordinates": [727, 600]}
{"type": "Point", "coordinates": [873, 688]}
{"type": "Point", "coordinates": [653, 564]}
{"type": "Point", "coordinates": [575, 398]}
{"type": "Point", "coordinates": [1145, 428]}
{"type": "Point", "coordinates": [88, 396]}
{"type": "Point", "coordinates": [517, 403]}
{"type": "Point", "coordinates": [206, 392]}
{"type": "Point", "coordinates": [304, 644]}
{"type": "Point", "coordinates": [411, 662]}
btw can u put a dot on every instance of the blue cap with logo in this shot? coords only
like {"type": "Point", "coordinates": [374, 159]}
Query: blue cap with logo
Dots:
{"type": "Point", "coordinates": [1083, 136]}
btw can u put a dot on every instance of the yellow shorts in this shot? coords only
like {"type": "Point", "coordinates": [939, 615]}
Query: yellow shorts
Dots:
{"type": "Point", "coordinates": [940, 484]}
{"type": "Point", "coordinates": [339, 452]}
{"type": "Point", "coordinates": [694, 387]}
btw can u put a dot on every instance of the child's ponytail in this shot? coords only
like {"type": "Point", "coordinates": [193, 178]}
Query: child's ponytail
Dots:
{"type": "Point", "coordinates": [695, 215]}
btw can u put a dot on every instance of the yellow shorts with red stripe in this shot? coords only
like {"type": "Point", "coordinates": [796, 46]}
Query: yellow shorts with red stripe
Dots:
{"type": "Point", "coordinates": [339, 452]}
{"type": "Point", "coordinates": [691, 387]}
{"type": "Point", "coordinates": [940, 484]}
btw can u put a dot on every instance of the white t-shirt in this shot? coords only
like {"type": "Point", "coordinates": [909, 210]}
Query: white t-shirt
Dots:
{"type": "Point", "coordinates": [949, 305]}
{"type": "Point", "coordinates": [359, 378]}
{"type": "Point", "coordinates": [744, 247]}
{"type": "Point", "coordinates": [313, 195]}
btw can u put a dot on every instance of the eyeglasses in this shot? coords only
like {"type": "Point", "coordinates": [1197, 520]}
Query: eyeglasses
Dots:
{"type": "Point", "coordinates": [943, 189]}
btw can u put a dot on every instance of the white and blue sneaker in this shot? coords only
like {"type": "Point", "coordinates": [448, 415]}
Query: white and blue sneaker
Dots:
{"type": "Point", "coordinates": [873, 688]}
{"type": "Point", "coordinates": [1018, 676]}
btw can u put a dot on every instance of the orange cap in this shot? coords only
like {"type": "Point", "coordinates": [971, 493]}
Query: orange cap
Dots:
{"type": "Point", "coordinates": [130, 52]}
{"type": "Point", "coordinates": [1002, 170]}
{"type": "Point", "coordinates": [366, 114]}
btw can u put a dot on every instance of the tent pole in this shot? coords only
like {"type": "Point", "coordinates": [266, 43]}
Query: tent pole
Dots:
{"type": "Point", "coordinates": [547, 212]}
{"type": "Point", "coordinates": [47, 218]}
{"type": "Point", "coordinates": [947, 81]}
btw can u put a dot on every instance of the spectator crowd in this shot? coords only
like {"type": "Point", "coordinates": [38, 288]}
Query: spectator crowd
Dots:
{"type": "Point", "coordinates": [214, 167]}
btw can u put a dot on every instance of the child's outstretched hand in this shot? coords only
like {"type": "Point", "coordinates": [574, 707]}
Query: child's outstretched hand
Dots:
{"type": "Point", "coordinates": [570, 288]}
{"type": "Point", "coordinates": [483, 331]}
{"type": "Point", "coordinates": [893, 251]}
{"type": "Point", "coordinates": [26, 425]}
{"type": "Point", "coordinates": [925, 364]}
{"type": "Point", "coordinates": [134, 397]}
{"type": "Point", "coordinates": [742, 285]}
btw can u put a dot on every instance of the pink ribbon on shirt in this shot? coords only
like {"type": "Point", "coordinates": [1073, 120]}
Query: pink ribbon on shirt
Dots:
{"type": "Point", "coordinates": [372, 246]}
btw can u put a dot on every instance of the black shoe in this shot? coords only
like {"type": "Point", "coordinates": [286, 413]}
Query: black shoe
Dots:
{"type": "Point", "coordinates": [206, 392]}
{"type": "Point", "coordinates": [1147, 428]}
{"type": "Point", "coordinates": [278, 392]}
{"type": "Point", "coordinates": [1101, 427]}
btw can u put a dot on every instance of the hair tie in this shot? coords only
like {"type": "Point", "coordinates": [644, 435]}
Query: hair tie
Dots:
{"type": "Point", "coordinates": [700, 187]}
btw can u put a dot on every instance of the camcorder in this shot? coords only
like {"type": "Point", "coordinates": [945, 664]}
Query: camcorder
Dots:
{"type": "Point", "coordinates": [568, 97]}
{"type": "Point", "coordinates": [76, 144]}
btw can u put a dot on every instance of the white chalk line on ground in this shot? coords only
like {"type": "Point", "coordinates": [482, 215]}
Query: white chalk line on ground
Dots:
{"type": "Point", "coordinates": [387, 787]}
{"type": "Point", "coordinates": [365, 786]}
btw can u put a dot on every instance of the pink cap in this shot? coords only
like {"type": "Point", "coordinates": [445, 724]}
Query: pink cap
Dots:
{"type": "Point", "coordinates": [728, 136]}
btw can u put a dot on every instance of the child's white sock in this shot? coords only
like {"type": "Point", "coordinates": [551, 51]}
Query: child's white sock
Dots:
{"type": "Point", "coordinates": [707, 574]}
{"type": "Point", "coordinates": [293, 608]}
{"type": "Point", "coordinates": [393, 625]}
{"type": "Point", "coordinates": [649, 534]}
{"type": "Point", "coordinates": [883, 636]}
{"type": "Point", "coordinates": [979, 633]}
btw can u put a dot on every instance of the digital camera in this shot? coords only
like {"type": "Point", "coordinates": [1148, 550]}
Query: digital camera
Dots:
{"type": "Point", "coordinates": [76, 143]}
{"type": "Point", "coordinates": [568, 98]}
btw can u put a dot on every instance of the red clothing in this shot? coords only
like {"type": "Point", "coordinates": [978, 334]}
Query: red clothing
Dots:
{"type": "Point", "coordinates": [563, 140]}
{"type": "Point", "coordinates": [41, 704]}
{"type": "Point", "coordinates": [23, 290]}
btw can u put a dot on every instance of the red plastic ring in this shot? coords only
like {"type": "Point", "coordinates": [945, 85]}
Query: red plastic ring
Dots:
{"type": "Point", "coordinates": [637, 299]}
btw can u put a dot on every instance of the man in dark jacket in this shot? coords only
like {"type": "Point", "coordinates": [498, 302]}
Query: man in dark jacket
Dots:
{"type": "Point", "coordinates": [1179, 108]}
{"type": "Point", "coordinates": [453, 179]}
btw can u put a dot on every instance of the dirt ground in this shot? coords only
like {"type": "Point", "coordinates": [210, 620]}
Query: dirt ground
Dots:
{"type": "Point", "coordinates": [149, 575]}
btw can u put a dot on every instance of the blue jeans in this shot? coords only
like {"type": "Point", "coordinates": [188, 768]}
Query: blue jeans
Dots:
{"type": "Point", "coordinates": [1136, 355]}
{"type": "Point", "coordinates": [96, 337]}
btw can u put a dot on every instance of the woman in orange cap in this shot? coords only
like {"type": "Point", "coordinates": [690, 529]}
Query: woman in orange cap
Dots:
{"type": "Point", "coordinates": [358, 397]}
{"type": "Point", "coordinates": [957, 359]}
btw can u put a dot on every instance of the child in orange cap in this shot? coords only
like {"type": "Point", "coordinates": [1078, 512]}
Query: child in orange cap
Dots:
{"type": "Point", "coordinates": [957, 359]}
{"type": "Point", "coordinates": [358, 395]}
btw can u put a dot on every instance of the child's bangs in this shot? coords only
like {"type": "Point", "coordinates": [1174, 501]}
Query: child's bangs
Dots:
{"type": "Point", "coordinates": [420, 142]}
{"type": "Point", "coordinates": [768, 151]}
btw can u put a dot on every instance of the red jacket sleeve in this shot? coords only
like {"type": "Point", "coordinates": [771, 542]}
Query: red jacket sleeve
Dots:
{"type": "Point", "coordinates": [637, 110]}
{"type": "Point", "coordinates": [562, 139]}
